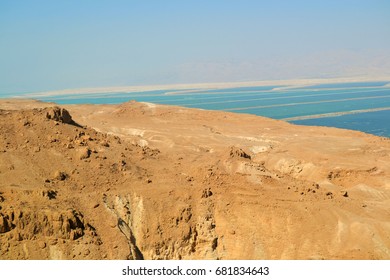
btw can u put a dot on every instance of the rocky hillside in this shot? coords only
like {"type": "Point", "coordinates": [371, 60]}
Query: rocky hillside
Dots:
{"type": "Point", "coordinates": [140, 181]}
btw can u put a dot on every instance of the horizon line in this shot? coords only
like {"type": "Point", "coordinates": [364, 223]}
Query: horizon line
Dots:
{"type": "Point", "coordinates": [290, 83]}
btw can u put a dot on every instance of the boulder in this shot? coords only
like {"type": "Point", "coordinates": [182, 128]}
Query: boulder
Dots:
{"type": "Point", "coordinates": [60, 115]}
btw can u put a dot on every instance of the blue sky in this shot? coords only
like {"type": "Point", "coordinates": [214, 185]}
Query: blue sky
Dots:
{"type": "Point", "coordinates": [49, 45]}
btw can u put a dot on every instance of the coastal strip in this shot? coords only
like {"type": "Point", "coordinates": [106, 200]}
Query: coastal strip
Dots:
{"type": "Point", "coordinates": [305, 103]}
{"type": "Point", "coordinates": [335, 114]}
{"type": "Point", "coordinates": [221, 85]}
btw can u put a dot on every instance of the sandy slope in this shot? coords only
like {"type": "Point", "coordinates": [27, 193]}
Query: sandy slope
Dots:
{"type": "Point", "coordinates": [138, 180]}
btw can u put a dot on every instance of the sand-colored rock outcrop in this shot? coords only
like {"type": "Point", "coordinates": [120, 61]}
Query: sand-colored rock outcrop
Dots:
{"type": "Point", "coordinates": [59, 114]}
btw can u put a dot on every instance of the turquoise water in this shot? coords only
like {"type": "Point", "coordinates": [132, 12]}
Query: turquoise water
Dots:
{"type": "Point", "coordinates": [372, 98]}
{"type": "Point", "coordinates": [372, 122]}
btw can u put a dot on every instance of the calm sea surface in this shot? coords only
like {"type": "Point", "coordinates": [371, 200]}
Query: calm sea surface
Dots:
{"type": "Point", "coordinates": [357, 106]}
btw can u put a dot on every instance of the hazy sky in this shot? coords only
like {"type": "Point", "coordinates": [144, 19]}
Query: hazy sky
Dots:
{"type": "Point", "coordinates": [48, 45]}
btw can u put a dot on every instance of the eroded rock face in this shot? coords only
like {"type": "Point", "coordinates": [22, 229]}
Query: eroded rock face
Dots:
{"type": "Point", "coordinates": [186, 233]}
{"type": "Point", "coordinates": [28, 224]}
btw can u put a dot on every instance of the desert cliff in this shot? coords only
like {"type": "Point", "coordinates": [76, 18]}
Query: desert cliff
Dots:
{"type": "Point", "coordinates": [146, 181]}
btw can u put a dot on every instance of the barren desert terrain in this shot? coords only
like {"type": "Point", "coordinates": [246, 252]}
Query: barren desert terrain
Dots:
{"type": "Point", "coordinates": [146, 181]}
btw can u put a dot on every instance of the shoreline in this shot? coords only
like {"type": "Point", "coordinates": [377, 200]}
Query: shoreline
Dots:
{"type": "Point", "coordinates": [197, 86]}
{"type": "Point", "coordinates": [335, 114]}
